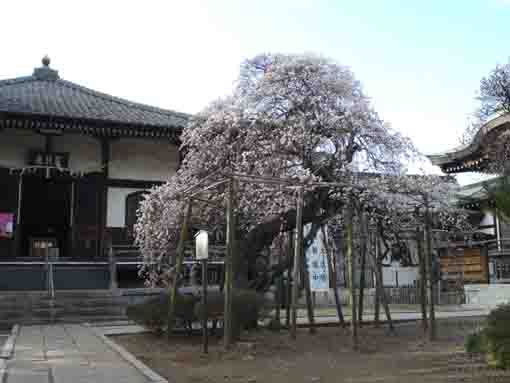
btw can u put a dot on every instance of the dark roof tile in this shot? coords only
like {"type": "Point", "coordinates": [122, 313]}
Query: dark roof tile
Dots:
{"type": "Point", "coordinates": [44, 93]}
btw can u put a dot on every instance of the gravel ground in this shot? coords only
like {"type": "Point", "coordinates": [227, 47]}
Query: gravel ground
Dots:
{"type": "Point", "coordinates": [268, 357]}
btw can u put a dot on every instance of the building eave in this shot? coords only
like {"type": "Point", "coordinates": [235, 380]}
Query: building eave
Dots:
{"type": "Point", "coordinates": [471, 157]}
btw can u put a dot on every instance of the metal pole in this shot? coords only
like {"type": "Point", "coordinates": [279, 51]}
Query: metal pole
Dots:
{"type": "Point", "coordinates": [205, 330]}
{"type": "Point", "coordinates": [113, 269]}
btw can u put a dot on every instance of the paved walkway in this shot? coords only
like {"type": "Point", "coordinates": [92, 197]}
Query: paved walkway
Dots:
{"type": "Point", "coordinates": [67, 354]}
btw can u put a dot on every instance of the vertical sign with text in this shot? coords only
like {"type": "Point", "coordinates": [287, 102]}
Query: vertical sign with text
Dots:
{"type": "Point", "coordinates": [317, 262]}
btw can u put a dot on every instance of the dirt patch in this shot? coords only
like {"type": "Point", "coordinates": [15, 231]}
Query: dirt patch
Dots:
{"type": "Point", "coordinates": [269, 357]}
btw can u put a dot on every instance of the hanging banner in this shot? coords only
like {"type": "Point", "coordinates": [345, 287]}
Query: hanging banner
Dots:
{"type": "Point", "coordinates": [6, 225]}
{"type": "Point", "coordinates": [317, 261]}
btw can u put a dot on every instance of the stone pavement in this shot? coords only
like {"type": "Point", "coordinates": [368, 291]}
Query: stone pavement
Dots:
{"type": "Point", "coordinates": [67, 353]}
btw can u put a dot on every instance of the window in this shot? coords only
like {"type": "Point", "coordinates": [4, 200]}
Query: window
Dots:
{"type": "Point", "coordinates": [132, 203]}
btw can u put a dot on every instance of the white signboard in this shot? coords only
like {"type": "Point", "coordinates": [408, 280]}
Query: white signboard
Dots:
{"type": "Point", "coordinates": [202, 245]}
{"type": "Point", "coordinates": [317, 261]}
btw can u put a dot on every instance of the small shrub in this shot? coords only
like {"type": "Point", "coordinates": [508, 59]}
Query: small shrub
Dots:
{"type": "Point", "coordinates": [153, 314]}
{"type": "Point", "coordinates": [247, 308]}
{"type": "Point", "coordinates": [498, 337]}
{"type": "Point", "coordinates": [476, 343]}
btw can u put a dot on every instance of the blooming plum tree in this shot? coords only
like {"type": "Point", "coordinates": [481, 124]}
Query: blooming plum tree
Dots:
{"type": "Point", "coordinates": [300, 117]}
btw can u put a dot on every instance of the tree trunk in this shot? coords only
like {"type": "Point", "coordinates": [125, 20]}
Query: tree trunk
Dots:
{"type": "Point", "coordinates": [431, 282]}
{"type": "Point", "coordinates": [350, 263]}
{"type": "Point", "coordinates": [363, 253]}
{"type": "Point", "coordinates": [174, 284]}
{"type": "Point", "coordinates": [298, 251]}
{"type": "Point", "coordinates": [423, 279]}
{"type": "Point", "coordinates": [332, 264]}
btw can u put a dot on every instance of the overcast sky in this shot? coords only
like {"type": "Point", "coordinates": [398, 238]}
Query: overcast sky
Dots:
{"type": "Point", "coordinates": [420, 61]}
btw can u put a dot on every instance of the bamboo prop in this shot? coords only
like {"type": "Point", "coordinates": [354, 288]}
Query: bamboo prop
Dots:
{"type": "Point", "coordinates": [174, 284]}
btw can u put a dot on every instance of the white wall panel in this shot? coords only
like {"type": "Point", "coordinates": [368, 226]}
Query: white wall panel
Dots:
{"type": "Point", "coordinates": [143, 159]}
{"type": "Point", "coordinates": [116, 214]}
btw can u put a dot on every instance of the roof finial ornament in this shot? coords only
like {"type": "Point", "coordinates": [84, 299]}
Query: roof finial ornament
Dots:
{"type": "Point", "coordinates": [45, 72]}
{"type": "Point", "coordinates": [46, 61]}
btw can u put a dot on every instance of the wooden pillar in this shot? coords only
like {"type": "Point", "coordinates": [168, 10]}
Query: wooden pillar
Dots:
{"type": "Point", "coordinates": [103, 197]}
{"type": "Point", "coordinates": [72, 218]}
{"type": "Point", "coordinates": [298, 250]}
{"type": "Point", "coordinates": [19, 226]}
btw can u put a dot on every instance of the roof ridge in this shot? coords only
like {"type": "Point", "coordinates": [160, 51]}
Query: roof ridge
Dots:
{"type": "Point", "coordinates": [120, 100]}
{"type": "Point", "coordinates": [17, 80]}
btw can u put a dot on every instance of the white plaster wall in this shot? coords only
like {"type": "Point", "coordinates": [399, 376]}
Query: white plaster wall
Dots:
{"type": "Point", "coordinates": [84, 151]}
{"type": "Point", "coordinates": [143, 159]}
{"type": "Point", "coordinates": [406, 276]}
{"type": "Point", "coordinates": [487, 219]}
{"type": "Point", "coordinates": [14, 146]}
{"type": "Point", "coordinates": [487, 295]}
{"type": "Point", "coordinates": [116, 214]}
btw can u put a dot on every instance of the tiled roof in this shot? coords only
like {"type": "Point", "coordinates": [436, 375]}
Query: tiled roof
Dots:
{"type": "Point", "coordinates": [46, 94]}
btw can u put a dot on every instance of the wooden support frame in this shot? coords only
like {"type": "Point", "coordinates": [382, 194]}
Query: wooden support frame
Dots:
{"type": "Point", "coordinates": [298, 250]}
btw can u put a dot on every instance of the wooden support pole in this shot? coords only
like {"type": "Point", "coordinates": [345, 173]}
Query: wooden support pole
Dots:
{"type": "Point", "coordinates": [376, 267]}
{"type": "Point", "coordinates": [227, 289]}
{"type": "Point", "coordinates": [363, 253]}
{"type": "Point", "coordinates": [174, 284]}
{"type": "Point", "coordinates": [205, 328]}
{"type": "Point", "coordinates": [298, 250]}
{"type": "Point", "coordinates": [431, 282]}
{"type": "Point", "coordinates": [332, 266]}
{"type": "Point", "coordinates": [351, 267]}
{"type": "Point", "coordinates": [382, 294]}
{"type": "Point", "coordinates": [308, 294]}
{"type": "Point", "coordinates": [288, 291]}
{"type": "Point", "coordinates": [423, 278]}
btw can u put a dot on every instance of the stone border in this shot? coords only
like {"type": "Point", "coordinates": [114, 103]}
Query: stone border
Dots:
{"type": "Point", "coordinates": [8, 348]}
{"type": "Point", "coordinates": [150, 374]}
{"type": "Point", "coordinates": [8, 351]}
